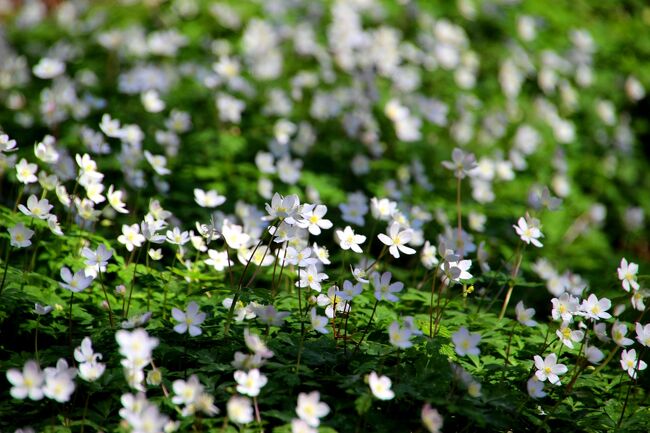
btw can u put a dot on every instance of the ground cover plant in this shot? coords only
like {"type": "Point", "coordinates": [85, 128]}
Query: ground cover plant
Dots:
{"type": "Point", "coordinates": [324, 216]}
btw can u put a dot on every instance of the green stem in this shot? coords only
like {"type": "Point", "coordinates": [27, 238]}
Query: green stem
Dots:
{"type": "Point", "coordinates": [4, 275]}
{"type": "Point", "coordinates": [459, 241]}
{"type": "Point", "coordinates": [433, 290]}
{"type": "Point", "coordinates": [235, 298]}
{"type": "Point", "coordinates": [70, 323]}
{"type": "Point", "coordinates": [365, 331]}
{"type": "Point", "coordinates": [128, 304]}
{"type": "Point", "coordinates": [512, 332]}
{"type": "Point", "coordinates": [110, 310]}
{"type": "Point", "coordinates": [167, 285]}
{"type": "Point", "coordinates": [515, 271]}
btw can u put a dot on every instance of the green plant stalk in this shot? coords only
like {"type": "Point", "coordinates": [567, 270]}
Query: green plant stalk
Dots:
{"type": "Point", "coordinates": [19, 198]}
{"type": "Point", "coordinates": [433, 290]}
{"type": "Point", "coordinates": [235, 298]}
{"type": "Point", "coordinates": [110, 310]}
{"type": "Point", "coordinates": [459, 212]}
{"type": "Point", "coordinates": [70, 323]}
{"type": "Point", "coordinates": [32, 261]}
{"type": "Point", "coordinates": [372, 235]}
{"type": "Point", "coordinates": [85, 412]}
{"type": "Point", "coordinates": [301, 345]}
{"type": "Point", "coordinates": [38, 324]}
{"type": "Point", "coordinates": [515, 271]}
{"type": "Point", "coordinates": [629, 389]}
{"type": "Point", "coordinates": [569, 387]}
{"type": "Point", "coordinates": [302, 321]}
{"type": "Point", "coordinates": [512, 332]}
{"type": "Point", "coordinates": [607, 360]}
{"type": "Point", "coordinates": [365, 331]}
{"type": "Point", "coordinates": [128, 304]}
{"type": "Point", "coordinates": [257, 414]}
{"type": "Point", "coordinates": [381, 256]}
{"type": "Point", "coordinates": [4, 275]}
{"type": "Point", "coordinates": [167, 285]}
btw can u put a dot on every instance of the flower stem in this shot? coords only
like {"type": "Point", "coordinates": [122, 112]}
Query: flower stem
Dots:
{"type": "Point", "coordinates": [433, 290]}
{"type": "Point", "coordinates": [257, 414]}
{"type": "Point", "coordinates": [511, 286]}
{"type": "Point", "coordinates": [459, 241]}
{"type": "Point", "coordinates": [4, 275]}
{"type": "Point", "coordinates": [110, 310]}
{"type": "Point", "coordinates": [167, 286]}
{"type": "Point", "coordinates": [365, 331]}
{"type": "Point", "coordinates": [235, 298]}
{"type": "Point", "coordinates": [70, 322]}
{"type": "Point", "coordinates": [128, 304]}
{"type": "Point", "coordinates": [512, 332]}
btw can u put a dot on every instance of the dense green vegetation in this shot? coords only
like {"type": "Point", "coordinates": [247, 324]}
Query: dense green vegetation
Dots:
{"type": "Point", "coordinates": [333, 216]}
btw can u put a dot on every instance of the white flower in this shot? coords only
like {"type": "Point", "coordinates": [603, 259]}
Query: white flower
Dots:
{"type": "Point", "coordinates": [48, 68]}
{"type": "Point", "coordinates": [250, 383]}
{"type": "Point", "coordinates": [36, 208]}
{"type": "Point", "coordinates": [313, 219]}
{"type": "Point", "coordinates": [564, 307]}
{"type": "Point", "coordinates": [627, 275]}
{"type": "Point", "coordinates": [234, 235]}
{"type": "Point", "coordinates": [20, 236]}
{"type": "Point", "coordinates": [593, 354]}
{"type": "Point", "coordinates": [383, 287]}
{"type": "Point", "coordinates": [256, 345]}
{"type": "Point", "coordinates": [311, 278]}
{"type": "Point", "coordinates": [382, 209]}
{"type": "Point", "coordinates": [428, 256]}
{"type": "Point", "coordinates": [98, 258]}
{"type": "Point", "coordinates": [348, 240]}
{"type": "Point", "coordinates": [209, 199]}
{"type": "Point", "coordinates": [397, 240]}
{"type": "Point", "coordinates": [535, 388]}
{"type": "Point", "coordinates": [157, 162]}
{"type": "Point", "coordinates": [189, 321]}
{"type": "Point", "coordinates": [300, 426]}
{"type": "Point", "coordinates": [569, 336]}
{"type": "Point", "coordinates": [136, 346]}
{"type": "Point", "coordinates": [319, 323]}
{"type": "Point", "coordinates": [619, 330]}
{"type": "Point", "coordinates": [6, 144]}
{"type": "Point", "coordinates": [115, 199]}
{"type": "Point", "coordinates": [310, 409]}
{"type": "Point", "coordinates": [528, 231]}
{"type": "Point", "coordinates": [187, 392]}
{"type": "Point", "coordinates": [26, 172]}
{"type": "Point", "coordinates": [218, 259]}
{"type": "Point", "coordinates": [380, 386]}
{"type": "Point", "coordinates": [399, 337]}
{"type": "Point", "coordinates": [75, 283]}
{"type": "Point", "coordinates": [27, 383]}
{"type": "Point", "coordinates": [431, 418]}
{"type": "Point", "coordinates": [131, 236]}
{"type": "Point", "coordinates": [456, 270]}
{"type": "Point", "coordinates": [525, 315]}
{"type": "Point", "coordinates": [59, 383]}
{"type": "Point", "coordinates": [548, 368]}
{"type": "Point", "coordinates": [177, 237]}
{"type": "Point", "coordinates": [643, 334]}
{"type": "Point", "coordinates": [151, 101]}
{"type": "Point", "coordinates": [286, 209]}
{"type": "Point", "coordinates": [350, 291]}
{"type": "Point", "coordinates": [466, 343]}
{"type": "Point", "coordinates": [240, 410]}
{"type": "Point", "coordinates": [594, 308]}
{"type": "Point", "coordinates": [629, 363]}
